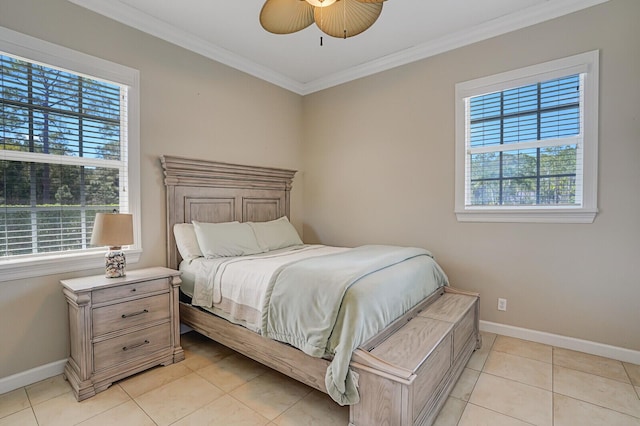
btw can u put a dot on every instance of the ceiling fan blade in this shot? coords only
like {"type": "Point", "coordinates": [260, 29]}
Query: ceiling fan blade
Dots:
{"type": "Point", "coordinates": [371, 1]}
{"type": "Point", "coordinates": [353, 16]}
{"type": "Point", "coordinates": [286, 16]}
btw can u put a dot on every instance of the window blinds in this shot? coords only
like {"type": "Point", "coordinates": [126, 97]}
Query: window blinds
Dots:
{"type": "Point", "coordinates": [523, 145]}
{"type": "Point", "coordinates": [62, 156]}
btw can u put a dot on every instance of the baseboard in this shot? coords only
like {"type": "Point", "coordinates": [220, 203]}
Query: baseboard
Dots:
{"type": "Point", "coordinates": [593, 348]}
{"type": "Point", "coordinates": [24, 378]}
{"type": "Point", "coordinates": [37, 374]}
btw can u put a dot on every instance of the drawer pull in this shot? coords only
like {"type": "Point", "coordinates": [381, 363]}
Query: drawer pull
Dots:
{"type": "Point", "coordinates": [137, 345]}
{"type": "Point", "coordinates": [135, 313]}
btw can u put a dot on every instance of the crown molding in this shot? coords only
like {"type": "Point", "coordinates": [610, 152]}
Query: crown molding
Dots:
{"type": "Point", "coordinates": [527, 17]}
{"type": "Point", "coordinates": [136, 19]}
{"type": "Point", "coordinates": [505, 24]}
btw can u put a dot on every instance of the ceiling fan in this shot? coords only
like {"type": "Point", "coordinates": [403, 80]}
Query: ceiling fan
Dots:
{"type": "Point", "coordinates": [337, 18]}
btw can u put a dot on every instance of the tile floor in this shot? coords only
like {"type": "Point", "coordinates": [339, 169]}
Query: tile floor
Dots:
{"type": "Point", "coordinates": [507, 382]}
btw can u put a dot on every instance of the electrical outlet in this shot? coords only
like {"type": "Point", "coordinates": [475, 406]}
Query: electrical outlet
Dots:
{"type": "Point", "coordinates": [502, 304]}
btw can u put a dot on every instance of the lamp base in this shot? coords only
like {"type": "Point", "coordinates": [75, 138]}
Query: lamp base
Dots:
{"type": "Point", "coordinates": [115, 263]}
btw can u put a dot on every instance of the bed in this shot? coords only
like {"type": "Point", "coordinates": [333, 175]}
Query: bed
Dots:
{"type": "Point", "coordinates": [402, 374]}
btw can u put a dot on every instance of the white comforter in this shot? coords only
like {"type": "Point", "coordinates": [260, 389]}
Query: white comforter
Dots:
{"type": "Point", "coordinates": [243, 281]}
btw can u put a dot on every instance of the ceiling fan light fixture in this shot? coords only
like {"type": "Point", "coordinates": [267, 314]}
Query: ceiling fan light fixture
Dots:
{"type": "Point", "coordinates": [321, 3]}
{"type": "Point", "coordinates": [347, 18]}
{"type": "Point", "coordinates": [336, 18]}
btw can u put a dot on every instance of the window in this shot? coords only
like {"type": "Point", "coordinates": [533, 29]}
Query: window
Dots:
{"type": "Point", "coordinates": [68, 149]}
{"type": "Point", "coordinates": [526, 144]}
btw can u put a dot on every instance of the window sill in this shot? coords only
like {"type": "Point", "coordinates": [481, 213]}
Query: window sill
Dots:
{"type": "Point", "coordinates": [527, 215]}
{"type": "Point", "coordinates": [56, 264]}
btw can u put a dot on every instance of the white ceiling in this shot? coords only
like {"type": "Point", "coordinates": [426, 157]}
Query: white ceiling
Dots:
{"type": "Point", "coordinates": [229, 32]}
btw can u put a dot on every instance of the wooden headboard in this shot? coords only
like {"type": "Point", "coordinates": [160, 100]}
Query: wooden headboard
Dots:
{"type": "Point", "coordinates": [210, 191]}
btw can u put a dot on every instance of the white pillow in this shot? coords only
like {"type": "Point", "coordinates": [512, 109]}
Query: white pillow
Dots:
{"type": "Point", "coordinates": [226, 239]}
{"type": "Point", "coordinates": [276, 234]}
{"type": "Point", "coordinates": [187, 241]}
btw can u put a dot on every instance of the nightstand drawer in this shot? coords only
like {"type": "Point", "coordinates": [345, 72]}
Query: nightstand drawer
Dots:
{"type": "Point", "coordinates": [128, 314]}
{"type": "Point", "coordinates": [139, 344]}
{"type": "Point", "coordinates": [121, 326]}
{"type": "Point", "coordinates": [128, 290]}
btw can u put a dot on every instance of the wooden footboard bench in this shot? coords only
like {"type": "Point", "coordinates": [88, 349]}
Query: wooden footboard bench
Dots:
{"type": "Point", "coordinates": [409, 375]}
{"type": "Point", "coordinates": [405, 375]}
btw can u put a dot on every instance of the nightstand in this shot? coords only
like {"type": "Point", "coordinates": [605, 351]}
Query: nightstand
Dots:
{"type": "Point", "coordinates": [121, 326]}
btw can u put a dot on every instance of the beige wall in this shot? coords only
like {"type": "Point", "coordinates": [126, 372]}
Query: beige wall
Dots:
{"type": "Point", "coordinates": [190, 106]}
{"type": "Point", "coordinates": [376, 166]}
{"type": "Point", "coordinates": [379, 167]}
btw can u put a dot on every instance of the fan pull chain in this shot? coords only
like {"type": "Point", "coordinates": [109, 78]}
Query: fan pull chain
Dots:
{"type": "Point", "coordinates": [344, 17]}
{"type": "Point", "coordinates": [321, 21]}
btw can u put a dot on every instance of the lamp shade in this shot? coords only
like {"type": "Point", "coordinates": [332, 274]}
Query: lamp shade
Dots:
{"type": "Point", "coordinates": [112, 229]}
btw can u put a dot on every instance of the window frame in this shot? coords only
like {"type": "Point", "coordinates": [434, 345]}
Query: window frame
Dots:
{"type": "Point", "coordinates": [36, 50]}
{"type": "Point", "coordinates": [585, 63]}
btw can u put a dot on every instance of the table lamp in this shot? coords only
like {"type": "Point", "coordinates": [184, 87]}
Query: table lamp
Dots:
{"type": "Point", "coordinates": [113, 230]}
